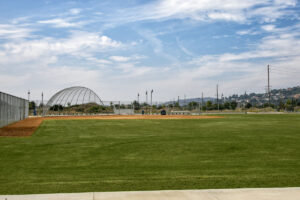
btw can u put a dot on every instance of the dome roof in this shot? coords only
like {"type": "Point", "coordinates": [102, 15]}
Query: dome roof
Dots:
{"type": "Point", "coordinates": [74, 96]}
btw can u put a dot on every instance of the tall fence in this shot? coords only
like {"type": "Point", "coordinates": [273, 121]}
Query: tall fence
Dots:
{"type": "Point", "coordinates": [12, 109]}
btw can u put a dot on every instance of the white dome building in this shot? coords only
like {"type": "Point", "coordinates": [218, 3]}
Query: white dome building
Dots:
{"type": "Point", "coordinates": [73, 96]}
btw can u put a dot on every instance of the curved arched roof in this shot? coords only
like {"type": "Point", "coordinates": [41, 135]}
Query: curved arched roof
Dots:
{"type": "Point", "coordinates": [74, 96]}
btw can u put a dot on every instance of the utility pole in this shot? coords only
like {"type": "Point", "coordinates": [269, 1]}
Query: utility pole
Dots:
{"type": "Point", "coordinates": [199, 105]}
{"type": "Point", "coordinates": [218, 96]}
{"type": "Point", "coordinates": [173, 103]}
{"type": "Point", "coordinates": [245, 103]}
{"type": "Point", "coordinates": [151, 100]}
{"type": "Point", "coordinates": [269, 91]}
{"type": "Point", "coordinates": [184, 101]}
{"type": "Point", "coordinates": [202, 101]}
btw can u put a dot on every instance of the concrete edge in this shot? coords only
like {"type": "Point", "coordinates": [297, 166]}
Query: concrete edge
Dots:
{"type": "Point", "coordinates": [287, 193]}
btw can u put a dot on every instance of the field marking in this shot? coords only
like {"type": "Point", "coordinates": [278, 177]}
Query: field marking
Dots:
{"type": "Point", "coordinates": [211, 194]}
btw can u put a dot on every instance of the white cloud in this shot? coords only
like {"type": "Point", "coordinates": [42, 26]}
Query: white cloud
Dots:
{"type": "Point", "coordinates": [36, 64]}
{"type": "Point", "coordinates": [226, 16]}
{"type": "Point", "coordinates": [61, 23]}
{"type": "Point", "coordinates": [75, 11]}
{"type": "Point", "coordinates": [274, 10]}
{"type": "Point", "coordinates": [119, 58]}
{"type": "Point", "coordinates": [78, 44]}
{"type": "Point", "coordinates": [125, 59]}
{"type": "Point", "coordinates": [99, 61]}
{"type": "Point", "coordinates": [281, 50]}
{"type": "Point", "coordinates": [49, 80]}
{"type": "Point", "coordinates": [247, 32]}
{"type": "Point", "coordinates": [205, 10]}
{"type": "Point", "coordinates": [130, 70]}
{"type": "Point", "coordinates": [14, 31]}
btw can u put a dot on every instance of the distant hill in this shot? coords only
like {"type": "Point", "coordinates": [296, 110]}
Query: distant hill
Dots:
{"type": "Point", "coordinates": [183, 102]}
{"type": "Point", "coordinates": [277, 95]}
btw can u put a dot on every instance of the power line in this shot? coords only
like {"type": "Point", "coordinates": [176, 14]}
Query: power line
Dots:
{"type": "Point", "coordinates": [284, 71]}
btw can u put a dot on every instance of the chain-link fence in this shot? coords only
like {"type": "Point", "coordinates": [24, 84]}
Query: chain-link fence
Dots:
{"type": "Point", "coordinates": [12, 109]}
{"type": "Point", "coordinates": [90, 108]}
{"type": "Point", "coordinates": [115, 108]}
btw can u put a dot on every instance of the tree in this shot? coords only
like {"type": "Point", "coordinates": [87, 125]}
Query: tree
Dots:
{"type": "Point", "coordinates": [111, 105]}
{"type": "Point", "coordinates": [136, 105]}
{"type": "Point", "coordinates": [248, 105]}
{"type": "Point", "coordinates": [208, 105]}
{"type": "Point", "coordinates": [94, 109]}
{"type": "Point", "coordinates": [268, 105]}
{"type": "Point", "coordinates": [221, 106]}
{"type": "Point", "coordinates": [215, 106]}
{"type": "Point", "coordinates": [192, 105]}
{"type": "Point", "coordinates": [56, 107]}
{"type": "Point", "coordinates": [233, 105]}
{"type": "Point", "coordinates": [289, 105]}
{"type": "Point", "coordinates": [281, 105]}
{"type": "Point", "coordinates": [227, 105]}
{"type": "Point", "coordinates": [31, 105]}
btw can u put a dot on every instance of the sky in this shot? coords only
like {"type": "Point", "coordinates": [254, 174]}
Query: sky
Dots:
{"type": "Point", "coordinates": [124, 47]}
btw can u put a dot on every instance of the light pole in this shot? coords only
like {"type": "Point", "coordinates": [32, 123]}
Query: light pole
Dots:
{"type": "Point", "coordinates": [42, 104]}
{"type": "Point", "coordinates": [138, 99]}
{"type": "Point", "coordinates": [28, 95]}
{"type": "Point", "coordinates": [151, 100]}
{"type": "Point", "coordinates": [146, 100]}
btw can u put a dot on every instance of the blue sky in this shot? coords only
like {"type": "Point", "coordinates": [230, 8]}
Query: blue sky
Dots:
{"type": "Point", "coordinates": [175, 47]}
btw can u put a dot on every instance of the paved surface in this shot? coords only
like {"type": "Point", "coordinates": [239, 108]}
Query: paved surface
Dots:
{"type": "Point", "coordinates": [214, 194]}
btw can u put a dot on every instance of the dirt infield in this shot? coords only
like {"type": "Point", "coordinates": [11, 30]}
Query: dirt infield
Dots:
{"type": "Point", "coordinates": [24, 127]}
{"type": "Point", "coordinates": [28, 126]}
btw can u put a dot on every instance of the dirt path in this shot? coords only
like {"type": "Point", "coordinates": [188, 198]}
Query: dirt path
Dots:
{"type": "Point", "coordinates": [28, 126]}
{"type": "Point", "coordinates": [21, 128]}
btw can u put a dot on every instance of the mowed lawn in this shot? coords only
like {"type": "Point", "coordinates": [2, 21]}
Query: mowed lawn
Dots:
{"type": "Point", "coordinates": [238, 151]}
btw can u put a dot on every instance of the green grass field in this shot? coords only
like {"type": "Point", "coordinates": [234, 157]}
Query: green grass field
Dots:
{"type": "Point", "coordinates": [117, 155]}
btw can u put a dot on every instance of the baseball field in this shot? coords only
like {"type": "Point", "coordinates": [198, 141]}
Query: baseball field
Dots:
{"type": "Point", "coordinates": [83, 154]}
